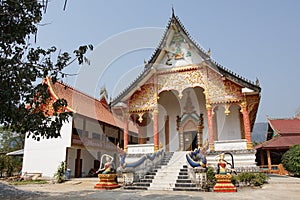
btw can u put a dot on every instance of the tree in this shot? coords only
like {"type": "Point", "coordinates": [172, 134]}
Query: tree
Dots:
{"type": "Point", "coordinates": [291, 160]}
{"type": "Point", "coordinates": [10, 141]}
{"type": "Point", "coordinates": [23, 66]}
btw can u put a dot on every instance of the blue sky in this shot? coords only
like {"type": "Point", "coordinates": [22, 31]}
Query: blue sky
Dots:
{"type": "Point", "coordinates": [255, 39]}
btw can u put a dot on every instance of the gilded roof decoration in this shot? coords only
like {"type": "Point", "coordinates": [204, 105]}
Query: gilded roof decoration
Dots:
{"type": "Point", "coordinates": [180, 81]}
{"type": "Point", "coordinates": [221, 86]}
{"type": "Point", "coordinates": [222, 91]}
{"type": "Point", "coordinates": [143, 99]}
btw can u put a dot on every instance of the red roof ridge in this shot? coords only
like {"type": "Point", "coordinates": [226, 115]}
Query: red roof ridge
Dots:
{"type": "Point", "coordinates": [72, 88]}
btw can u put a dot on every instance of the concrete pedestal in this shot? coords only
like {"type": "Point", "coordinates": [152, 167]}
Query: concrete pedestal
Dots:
{"type": "Point", "coordinates": [106, 182]}
{"type": "Point", "coordinates": [224, 183]}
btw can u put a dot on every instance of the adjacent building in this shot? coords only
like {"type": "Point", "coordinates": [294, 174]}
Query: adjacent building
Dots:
{"type": "Point", "coordinates": [91, 132]}
{"type": "Point", "coordinates": [281, 135]}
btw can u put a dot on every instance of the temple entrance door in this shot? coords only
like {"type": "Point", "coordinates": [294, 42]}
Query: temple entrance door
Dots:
{"type": "Point", "coordinates": [190, 140]}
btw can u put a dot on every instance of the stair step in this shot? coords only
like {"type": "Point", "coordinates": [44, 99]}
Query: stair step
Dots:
{"type": "Point", "coordinates": [183, 173]}
{"type": "Point", "coordinates": [151, 174]}
{"type": "Point", "coordinates": [142, 184]}
{"type": "Point", "coordinates": [185, 185]}
{"type": "Point", "coordinates": [149, 177]}
{"type": "Point", "coordinates": [183, 177]}
{"type": "Point", "coordinates": [135, 188]}
{"type": "Point", "coordinates": [184, 181]}
{"type": "Point", "coordinates": [146, 180]}
{"type": "Point", "coordinates": [188, 189]}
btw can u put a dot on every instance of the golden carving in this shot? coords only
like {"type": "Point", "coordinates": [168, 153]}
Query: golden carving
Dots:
{"type": "Point", "coordinates": [155, 111]}
{"type": "Point", "coordinates": [227, 111]}
{"type": "Point", "coordinates": [141, 117]}
{"type": "Point", "coordinates": [180, 80]}
{"type": "Point", "coordinates": [221, 90]}
{"type": "Point", "coordinates": [243, 106]}
{"type": "Point", "coordinates": [144, 99]}
{"type": "Point", "coordinates": [208, 107]}
{"type": "Point", "coordinates": [249, 145]}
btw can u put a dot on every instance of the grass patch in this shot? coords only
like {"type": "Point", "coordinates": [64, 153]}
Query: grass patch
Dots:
{"type": "Point", "coordinates": [28, 182]}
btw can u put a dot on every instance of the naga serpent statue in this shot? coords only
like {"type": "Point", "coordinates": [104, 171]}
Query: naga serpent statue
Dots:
{"type": "Point", "coordinates": [197, 158]}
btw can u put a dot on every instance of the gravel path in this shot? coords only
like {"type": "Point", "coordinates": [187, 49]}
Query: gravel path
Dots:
{"type": "Point", "coordinates": [10, 192]}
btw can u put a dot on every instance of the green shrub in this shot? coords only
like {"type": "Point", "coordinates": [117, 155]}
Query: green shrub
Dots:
{"type": "Point", "coordinates": [250, 178]}
{"type": "Point", "coordinates": [246, 177]}
{"type": "Point", "coordinates": [234, 179]}
{"type": "Point", "coordinates": [291, 160]}
{"type": "Point", "coordinates": [259, 179]}
{"type": "Point", "coordinates": [60, 173]}
{"type": "Point", "coordinates": [211, 180]}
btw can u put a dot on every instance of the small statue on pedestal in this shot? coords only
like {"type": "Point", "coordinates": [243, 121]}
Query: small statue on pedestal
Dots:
{"type": "Point", "coordinates": [223, 176]}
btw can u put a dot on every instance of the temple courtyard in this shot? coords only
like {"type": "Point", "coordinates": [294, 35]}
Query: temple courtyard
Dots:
{"type": "Point", "coordinates": [279, 187]}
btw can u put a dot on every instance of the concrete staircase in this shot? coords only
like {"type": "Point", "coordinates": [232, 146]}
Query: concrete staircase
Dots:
{"type": "Point", "coordinates": [170, 174]}
{"type": "Point", "coordinates": [145, 182]}
{"type": "Point", "coordinates": [184, 183]}
{"type": "Point", "coordinates": [166, 177]}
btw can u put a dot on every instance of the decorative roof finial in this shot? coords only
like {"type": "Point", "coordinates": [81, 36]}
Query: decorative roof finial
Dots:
{"type": "Point", "coordinates": [208, 52]}
{"type": "Point", "coordinates": [257, 82]}
{"type": "Point", "coordinates": [145, 62]}
{"type": "Point", "coordinates": [173, 13]}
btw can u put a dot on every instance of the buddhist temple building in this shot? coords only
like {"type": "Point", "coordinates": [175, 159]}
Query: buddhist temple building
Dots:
{"type": "Point", "coordinates": [184, 99]}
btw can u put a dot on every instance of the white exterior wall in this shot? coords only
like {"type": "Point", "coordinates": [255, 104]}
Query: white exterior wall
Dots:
{"type": "Point", "coordinates": [45, 156]}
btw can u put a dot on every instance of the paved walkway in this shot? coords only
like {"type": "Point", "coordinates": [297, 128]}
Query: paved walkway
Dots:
{"type": "Point", "coordinates": [278, 188]}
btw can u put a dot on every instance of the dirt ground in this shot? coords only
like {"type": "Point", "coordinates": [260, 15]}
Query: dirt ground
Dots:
{"type": "Point", "coordinates": [278, 188]}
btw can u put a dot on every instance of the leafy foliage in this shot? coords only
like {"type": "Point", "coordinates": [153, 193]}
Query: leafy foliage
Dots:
{"type": "Point", "coordinates": [291, 160]}
{"type": "Point", "coordinates": [22, 66]}
{"type": "Point", "coordinates": [10, 141]}
{"type": "Point", "coordinates": [60, 173]}
{"type": "Point", "coordinates": [211, 180]}
{"type": "Point", "coordinates": [250, 178]}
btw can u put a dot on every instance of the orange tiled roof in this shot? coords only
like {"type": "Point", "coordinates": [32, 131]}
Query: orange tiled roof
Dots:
{"type": "Point", "coordinates": [84, 104]}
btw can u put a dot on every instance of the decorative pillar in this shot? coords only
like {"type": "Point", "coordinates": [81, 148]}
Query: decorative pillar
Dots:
{"type": "Point", "coordinates": [155, 130]}
{"type": "Point", "coordinates": [247, 126]}
{"type": "Point", "coordinates": [125, 132]}
{"type": "Point", "coordinates": [210, 127]}
{"type": "Point", "coordinates": [200, 131]}
{"type": "Point", "coordinates": [269, 161]}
